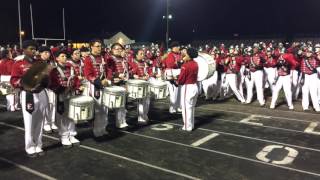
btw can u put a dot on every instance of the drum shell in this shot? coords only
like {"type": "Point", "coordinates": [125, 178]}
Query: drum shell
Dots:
{"type": "Point", "coordinates": [137, 89]}
{"type": "Point", "coordinates": [81, 111]}
{"type": "Point", "coordinates": [114, 97]}
{"type": "Point", "coordinates": [158, 89]}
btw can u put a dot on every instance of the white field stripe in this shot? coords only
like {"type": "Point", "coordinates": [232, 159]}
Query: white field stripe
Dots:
{"type": "Point", "coordinates": [245, 113]}
{"type": "Point", "coordinates": [252, 138]}
{"type": "Point", "coordinates": [115, 155]}
{"type": "Point", "coordinates": [271, 127]}
{"type": "Point", "coordinates": [205, 139]}
{"type": "Point", "coordinates": [29, 170]}
{"type": "Point", "coordinates": [225, 154]}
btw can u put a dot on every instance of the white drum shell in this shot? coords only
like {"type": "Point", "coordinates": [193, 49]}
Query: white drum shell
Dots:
{"type": "Point", "coordinates": [158, 89]}
{"type": "Point", "coordinates": [81, 108]}
{"type": "Point", "coordinates": [137, 89]}
{"type": "Point", "coordinates": [114, 97]}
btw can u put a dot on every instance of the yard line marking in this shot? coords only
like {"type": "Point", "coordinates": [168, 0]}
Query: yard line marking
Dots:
{"type": "Point", "coordinates": [225, 154]}
{"type": "Point", "coordinates": [115, 155]}
{"type": "Point", "coordinates": [25, 168]}
{"type": "Point", "coordinates": [205, 139]}
{"type": "Point", "coordinates": [245, 113]}
{"type": "Point", "coordinates": [252, 138]}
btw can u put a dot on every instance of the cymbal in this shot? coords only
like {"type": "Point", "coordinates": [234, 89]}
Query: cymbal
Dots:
{"type": "Point", "coordinates": [35, 76]}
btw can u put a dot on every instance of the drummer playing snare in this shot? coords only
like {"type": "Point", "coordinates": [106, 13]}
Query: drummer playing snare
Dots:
{"type": "Point", "coordinates": [139, 71]}
{"type": "Point", "coordinates": [65, 84]}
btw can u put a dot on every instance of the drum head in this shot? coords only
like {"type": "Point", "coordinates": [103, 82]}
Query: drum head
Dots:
{"type": "Point", "coordinates": [206, 66]}
{"type": "Point", "coordinates": [158, 83]}
{"type": "Point", "coordinates": [137, 81]}
{"type": "Point", "coordinates": [81, 99]}
{"type": "Point", "coordinates": [116, 89]}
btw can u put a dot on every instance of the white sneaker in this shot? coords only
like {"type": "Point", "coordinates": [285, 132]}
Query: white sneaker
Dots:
{"type": "Point", "coordinates": [66, 142]}
{"type": "Point", "coordinates": [272, 106]}
{"type": "Point", "coordinates": [291, 108]}
{"type": "Point", "coordinates": [184, 129]}
{"type": "Point", "coordinates": [172, 110]}
{"type": "Point", "coordinates": [31, 152]}
{"type": "Point", "coordinates": [39, 151]}
{"type": "Point", "coordinates": [179, 110]}
{"type": "Point", "coordinates": [47, 128]}
{"type": "Point", "coordinates": [54, 127]}
{"type": "Point", "coordinates": [74, 140]}
{"type": "Point", "coordinates": [123, 125]}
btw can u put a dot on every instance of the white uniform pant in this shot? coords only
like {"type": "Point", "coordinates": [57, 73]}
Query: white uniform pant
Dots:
{"type": "Point", "coordinates": [174, 93]}
{"type": "Point", "coordinates": [33, 122]}
{"type": "Point", "coordinates": [232, 81]}
{"type": "Point", "coordinates": [296, 86]}
{"type": "Point", "coordinates": [143, 109]}
{"type": "Point", "coordinates": [310, 87]}
{"type": "Point", "coordinates": [285, 83]}
{"type": "Point", "coordinates": [67, 127]}
{"type": "Point", "coordinates": [257, 81]}
{"type": "Point", "coordinates": [51, 112]}
{"type": "Point", "coordinates": [271, 74]}
{"type": "Point", "coordinates": [189, 94]}
{"type": "Point", "coordinates": [101, 113]}
{"type": "Point", "coordinates": [241, 79]}
{"type": "Point", "coordinates": [208, 85]}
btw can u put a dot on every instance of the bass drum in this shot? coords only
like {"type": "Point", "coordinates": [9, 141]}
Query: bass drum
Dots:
{"type": "Point", "coordinates": [207, 66]}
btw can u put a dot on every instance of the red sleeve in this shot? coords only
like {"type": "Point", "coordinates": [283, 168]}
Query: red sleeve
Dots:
{"type": "Point", "coordinates": [16, 75]}
{"type": "Point", "coordinates": [88, 69]}
{"type": "Point", "coordinates": [54, 81]}
{"type": "Point", "coordinates": [9, 66]}
{"type": "Point", "coordinates": [183, 75]}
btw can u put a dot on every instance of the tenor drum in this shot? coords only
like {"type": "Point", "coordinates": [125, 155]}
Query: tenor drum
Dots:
{"type": "Point", "coordinates": [114, 97]}
{"type": "Point", "coordinates": [137, 89]}
{"type": "Point", "coordinates": [158, 89]}
{"type": "Point", "coordinates": [207, 66]}
{"type": "Point", "coordinates": [81, 108]}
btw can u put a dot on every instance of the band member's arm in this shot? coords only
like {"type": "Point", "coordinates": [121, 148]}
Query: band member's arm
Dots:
{"type": "Point", "coordinates": [16, 75]}
{"type": "Point", "coordinates": [88, 70]}
{"type": "Point", "coordinates": [54, 84]}
{"type": "Point", "coordinates": [183, 76]}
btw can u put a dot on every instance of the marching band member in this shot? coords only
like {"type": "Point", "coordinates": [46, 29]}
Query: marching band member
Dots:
{"type": "Point", "coordinates": [34, 103]}
{"type": "Point", "coordinates": [270, 68]}
{"type": "Point", "coordinates": [6, 64]}
{"type": "Point", "coordinates": [95, 72]}
{"type": "Point", "coordinates": [309, 65]}
{"type": "Point", "coordinates": [77, 65]}
{"type": "Point", "coordinates": [49, 121]}
{"type": "Point", "coordinates": [139, 71]}
{"type": "Point", "coordinates": [65, 84]}
{"type": "Point", "coordinates": [255, 76]}
{"type": "Point", "coordinates": [170, 64]}
{"type": "Point", "coordinates": [188, 82]}
{"type": "Point", "coordinates": [283, 80]}
{"type": "Point", "coordinates": [118, 73]}
{"type": "Point", "coordinates": [233, 65]}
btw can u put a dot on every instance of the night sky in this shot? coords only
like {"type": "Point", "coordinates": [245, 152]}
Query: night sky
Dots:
{"type": "Point", "coordinates": [142, 19]}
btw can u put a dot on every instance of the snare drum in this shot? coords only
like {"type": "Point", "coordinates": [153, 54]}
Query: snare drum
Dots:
{"type": "Point", "coordinates": [114, 97]}
{"type": "Point", "coordinates": [81, 108]}
{"type": "Point", "coordinates": [137, 89]}
{"type": "Point", "coordinates": [158, 89]}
